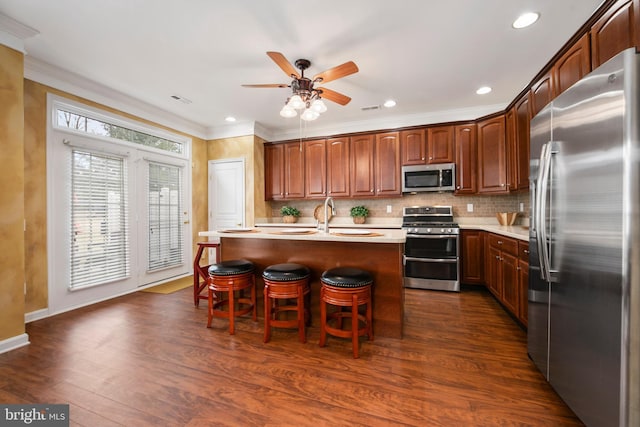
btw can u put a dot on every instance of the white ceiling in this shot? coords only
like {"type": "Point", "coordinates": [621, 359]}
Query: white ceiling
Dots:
{"type": "Point", "coordinates": [428, 55]}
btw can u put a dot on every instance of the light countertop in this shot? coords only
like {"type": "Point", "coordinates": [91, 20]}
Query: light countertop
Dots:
{"type": "Point", "coordinates": [284, 232]}
{"type": "Point", "coordinates": [515, 231]}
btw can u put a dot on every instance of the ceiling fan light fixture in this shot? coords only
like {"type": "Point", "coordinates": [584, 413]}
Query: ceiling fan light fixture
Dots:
{"type": "Point", "coordinates": [309, 115]}
{"type": "Point", "coordinates": [296, 102]}
{"type": "Point", "coordinates": [389, 103]}
{"type": "Point", "coordinates": [318, 106]}
{"type": "Point", "coordinates": [288, 112]}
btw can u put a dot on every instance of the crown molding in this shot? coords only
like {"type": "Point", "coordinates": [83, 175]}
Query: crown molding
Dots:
{"type": "Point", "coordinates": [14, 33]}
{"type": "Point", "coordinates": [58, 78]}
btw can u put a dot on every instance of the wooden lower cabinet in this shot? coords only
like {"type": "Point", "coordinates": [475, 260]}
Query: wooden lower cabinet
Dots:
{"type": "Point", "coordinates": [472, 267]}
{"type": "Point", "coordinates": [505, 262]}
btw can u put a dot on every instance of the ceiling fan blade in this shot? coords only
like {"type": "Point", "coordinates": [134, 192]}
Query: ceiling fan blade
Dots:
{"type": "Point", "coordinates": [337, 72]}
{"type": "Point", "coordinates": [282, 62]}
{"type": "Point", "coordinates": [268, 85]}
{"type": "Point", "coordinates": [334, 96]}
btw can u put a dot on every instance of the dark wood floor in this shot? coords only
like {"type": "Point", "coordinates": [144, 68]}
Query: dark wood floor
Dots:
{"type": "Point", "coordinates": [148, 360]}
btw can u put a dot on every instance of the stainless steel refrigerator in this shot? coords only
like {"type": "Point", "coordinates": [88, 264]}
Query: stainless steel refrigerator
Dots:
{"type": "Point", "coordinates": [584, 278]}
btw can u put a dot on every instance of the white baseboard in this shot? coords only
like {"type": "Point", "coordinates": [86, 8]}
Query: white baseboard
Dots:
{"type": "Point", "coordinates": [13, 343]}
{"type": "Point", "coordinates": [36, 315]}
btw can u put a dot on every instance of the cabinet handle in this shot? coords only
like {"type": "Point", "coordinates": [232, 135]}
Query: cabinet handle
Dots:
{"type": "Point", "coordinates": [525, 251]}
{"type": "Point", "coordinates": [501, 185]}
{"type": "Point", "coordinates": [499, 242]}
{"type": "Point", "coordinates": [423, 158]}
{"type": "Point", "coordinates": [497, 257]}
{"type": "Point", "coordinates": [430, 158]}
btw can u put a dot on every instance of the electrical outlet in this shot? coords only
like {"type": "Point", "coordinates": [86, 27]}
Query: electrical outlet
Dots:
{"type": "Point", "coordinates": [521, 207]}
{"type": "Point", "coordinates": [389, 208]}
{"type": "Point", "coordinates": [469, 207]}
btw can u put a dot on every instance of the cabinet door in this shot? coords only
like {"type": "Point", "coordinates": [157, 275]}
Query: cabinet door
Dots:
{"type": "Point", "coordinates": [466, 158]}
{"type": "Point", "coordinates": [511, 141]}
{"type": "Point", "coordinates": [387, 164]}
{"type": "Point", "coordinates": [574, 64]}
{"type": "Point", "coordinates": [615, 31]}
{"type": "Point", "coordinates": [274, 172]}
{"type": "Point", "coordinates": [440, 147]}
{"type": "Point", "coordinates": [492, 158]}
{"type": "Point", "coordinates": [523, 284]}
{"type": "Point", "coordinates": [362, 169]}
{"type": "Point", "coordinates": [315, 169]}
{"type": "Point", "coordinates": [510, 284]}
{"type": "Point", "coordinates": [471, 256]}
{"type": "Point", "coordinates": [414, 147]}
{"type": "Point", "coordinates": [293, 171]}
{"type": "Point", "coordinates": [523, 119]}
{"type": "Point", "coordinates": [338, 157]}
{"type": "Point", "coordinates": [494, 273]}
{"type": "Point", "coordinates": [541, 93]}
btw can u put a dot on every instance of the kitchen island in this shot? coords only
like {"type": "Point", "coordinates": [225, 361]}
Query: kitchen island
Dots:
{"type": "Point", "coordinates": [378, 251]}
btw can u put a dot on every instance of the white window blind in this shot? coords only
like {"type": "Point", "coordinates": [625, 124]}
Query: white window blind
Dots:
{"type": "Point", "coordinates": [99, 241]}
{"type": "Point", "coordinates": [165, 220]}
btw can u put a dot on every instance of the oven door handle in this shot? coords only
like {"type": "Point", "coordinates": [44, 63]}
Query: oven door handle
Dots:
{"type": "Point", "coordinates": [432, 236]}
{"type": "Point", "coordinates": [442, 260]}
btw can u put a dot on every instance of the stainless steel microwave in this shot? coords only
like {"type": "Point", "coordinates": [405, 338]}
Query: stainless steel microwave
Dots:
{"type": "Point", "coordinates": [418, 178]}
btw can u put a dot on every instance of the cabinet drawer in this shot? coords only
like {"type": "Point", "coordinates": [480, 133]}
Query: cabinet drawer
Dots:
{"type": "Point", "coordinates": [523, 251]}
{"type": "Point", "coordinates": [505, 244]}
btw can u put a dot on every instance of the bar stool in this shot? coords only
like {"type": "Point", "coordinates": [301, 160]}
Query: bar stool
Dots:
{"type": "Point", "coordinates": [346, 287]}
{"type": "Point", "coordinates": [286, 281]}
{"type": "Point", "coordinates": [231, 276]}
{"type": "Point", "coordinates": [200, 273]}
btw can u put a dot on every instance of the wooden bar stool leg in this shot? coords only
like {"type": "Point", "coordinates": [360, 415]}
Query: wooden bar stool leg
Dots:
{"type": "Point", "coordinates": [354, 325]}
{"type": "Point", "coordinates": [253, 299]}
{"type": "Point", "coordinates": [323, 319]}
{"type": "Point", "coordinates": [232, 311]}
{"type": "Point", "coordinates": [370, 318]}
{"type": "Point", "coordinates": [267, 314]}
{"type": "Point", "coordinates": [301, 311]}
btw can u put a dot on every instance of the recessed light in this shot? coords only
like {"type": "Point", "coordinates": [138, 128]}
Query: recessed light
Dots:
{"type": "Point", "coordinates": [389, 103]}
{"type": "Point", "coordinates": [230, 119]}
{"type": "Point", "coordinates": [483, 90]}
{"type": "Point", "coordinates": [525, 20]}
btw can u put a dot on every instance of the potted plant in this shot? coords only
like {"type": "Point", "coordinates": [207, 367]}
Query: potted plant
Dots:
{"type": "Point", "coordinates": [359, 213]}
{"type": "Point", "coordinates": [289, 214]}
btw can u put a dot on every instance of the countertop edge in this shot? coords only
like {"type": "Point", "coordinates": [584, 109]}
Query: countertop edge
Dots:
{"type": "Point", "coordinates": [515, 231]}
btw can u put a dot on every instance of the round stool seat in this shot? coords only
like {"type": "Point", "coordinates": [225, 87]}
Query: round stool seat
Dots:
{"type": "Point", "coordinates": [347, 277]}
{"type": "Point", "coordinates": [231, 267]}
{"type": "Point", "coordinates": [286, 272]}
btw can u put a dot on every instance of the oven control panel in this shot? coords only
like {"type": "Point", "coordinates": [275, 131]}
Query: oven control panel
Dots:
{"type": "Point", "coordinates": [434, 230]}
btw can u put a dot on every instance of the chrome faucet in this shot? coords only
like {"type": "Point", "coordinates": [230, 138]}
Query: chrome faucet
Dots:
{"type": "Point", "coordinates": [327, 201]}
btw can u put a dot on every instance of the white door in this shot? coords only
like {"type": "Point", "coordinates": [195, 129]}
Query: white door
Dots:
{"type": "Point", "coordinates": [226, 194]}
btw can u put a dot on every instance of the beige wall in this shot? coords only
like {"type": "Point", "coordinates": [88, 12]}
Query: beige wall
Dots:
{"type": "Point", "coordinates": [35, 186]}
{"type": "Point", "coordinates": [11, 194]}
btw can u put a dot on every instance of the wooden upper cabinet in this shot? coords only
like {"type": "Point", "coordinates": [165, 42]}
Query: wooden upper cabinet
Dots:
{"type": "Point", "coordinates": [338, 162]}
{"type": "Point", "coordinates": [492, 156]}
{"type": "Point", "coordinates": [440, 147]}
{"type": "Point", "coordinates": [387, 164]}
{"type": "Point", "coordinates": [615, 31]}
{"type": "Point", "coordinates": [274, 172]}
{"type": "Point", "coordinates": [523, 120]}
{"type": "Point", "coordinates": [293, 171]}
{"type": "Point", "coordinates": [414, 147]}
{"type": "Point", "coordinates": [466, 151]}
{"type": "Point", "coordinates": [541, 93]}
{"type": "Point", "coordinates": [572, 66]}
{"type": "Point", "coordinates": [362, 168]}
{"type": "Point", "coordinates": [315, 169]}
{"type": "Point", "coordinates": [511, 148]}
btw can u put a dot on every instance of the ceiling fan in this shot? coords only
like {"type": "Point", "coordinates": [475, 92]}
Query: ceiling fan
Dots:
{"type": "Point", "coordinates": [306, 96]}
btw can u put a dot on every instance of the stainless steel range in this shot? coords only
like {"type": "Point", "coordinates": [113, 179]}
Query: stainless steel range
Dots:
{"type": "Point", "coordinates": [431, 255]}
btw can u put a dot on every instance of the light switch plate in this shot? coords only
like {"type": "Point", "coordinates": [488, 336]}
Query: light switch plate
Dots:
{"type": "Point", "coordinates": [389, 208]}
{"type": "Point", "coordinates": [469, 207]}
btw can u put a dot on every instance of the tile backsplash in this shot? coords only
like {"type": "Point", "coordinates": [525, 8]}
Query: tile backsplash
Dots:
{"type": "Point", "coordinates": [483, 206]}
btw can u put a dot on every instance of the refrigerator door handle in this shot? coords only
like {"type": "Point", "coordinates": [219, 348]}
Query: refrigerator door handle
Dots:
{"type": "Point", "coordinates": [541, 207]}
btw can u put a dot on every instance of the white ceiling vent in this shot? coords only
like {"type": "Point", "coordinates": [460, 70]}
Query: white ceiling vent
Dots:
{"type": "Point", "coordinates": [369, 108]}
{"type": "Point", "coordinates": [181, 99]}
